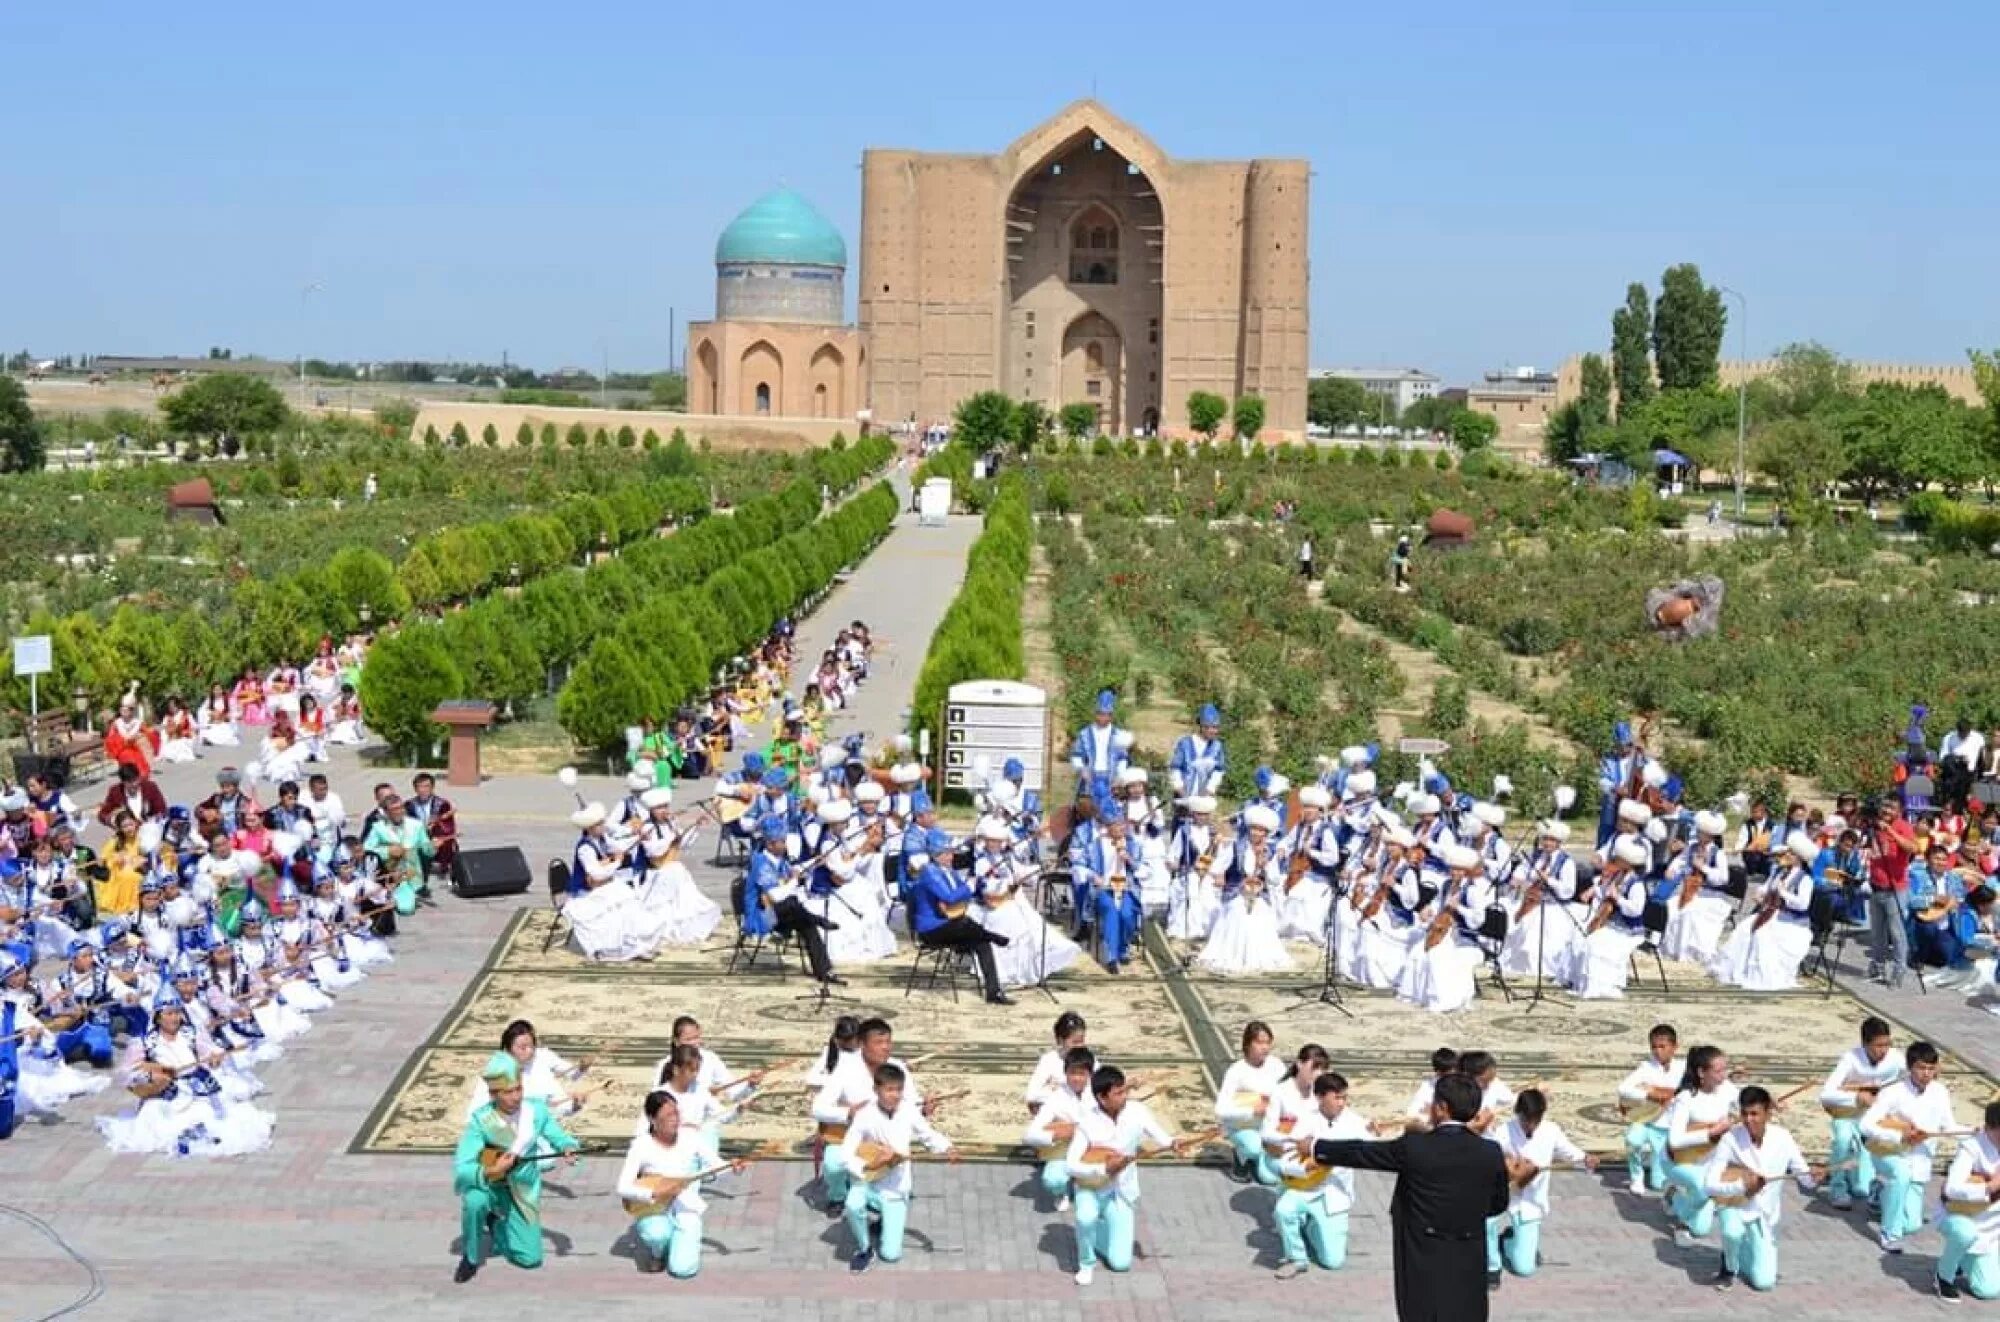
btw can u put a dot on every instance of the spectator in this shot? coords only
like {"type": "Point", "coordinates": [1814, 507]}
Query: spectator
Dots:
{"type": "Point", "coordinates": [1889, 850]}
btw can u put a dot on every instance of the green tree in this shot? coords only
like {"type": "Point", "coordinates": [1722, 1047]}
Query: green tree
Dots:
{"type": "Point", "coordinates": [460, 438]}
{"type": "Point", "coordinates": [1594, 397]}
{"type": "Point", "coordinates": [408, 673]}
{"type": "Point", "coordinates": [1248, 417]}
{"type": "Point", "coordinates": [1077, 419]}
{"type": "Point", "coordinates": [669, 390]}
{"type": "Point", "coordinates": [489, 436]}
{"type": "Point", "coordinates": [1631, 338]}
{"type": "Point", "coordinates": [651, 441]}
{"type": "Point", "coordinates": [1335, 401]}
{"type": "Point", "coordinates": [21, 446]}
{"type": "Point", "coordinates": [227, 404]}
{"type": "Point", "coordinates": [1031, 424]}
{"type": "Point", "coordinates": [608, 691]}
{"type": "Point", "coordinates": [1808, 377]}
{"type": "Point", "coordinates": [548, 436]}
{"type": "Point", "coordinates": [524, 435]}
{"type": "Point", "coordinates": [577, 436]}
{"type": "Point", "coordinates": [1429, 413]}
{"type": "Point", "coordinates": [983, 421]}
{"type": "Point", "coordinates": [1471, 430]}
{"type": "Point", "coordinates": [601, 439]}
{"type": "Point", "coordinates": [627, 438]}
{"type": "Point", "coordinates": [1688, 325]}
{"type": "Point", "coordinates": [1205, 412]}
{"type": "Point", "coordinates": [358, 576]}
{"type": "Point", "coordinates": [396, 416]}
{"type": "Point", "coordinates": [431, 437]}
{"type": "Point", "coordinates": [1801, 455]}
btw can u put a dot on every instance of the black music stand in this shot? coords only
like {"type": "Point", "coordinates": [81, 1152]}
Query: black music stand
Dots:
{"type": "Point", "coordinates": [1328, 991]}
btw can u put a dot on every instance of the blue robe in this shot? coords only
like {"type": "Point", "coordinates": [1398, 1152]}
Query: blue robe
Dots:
{"type": "Point", "coordinates": [767, 873]}
{"type": "Point", "coordinates": [1196, 761]}
{"type": "Point", "coordinates": [934, 887]}
{"type": "Point", "coordinates": [1097, 759]}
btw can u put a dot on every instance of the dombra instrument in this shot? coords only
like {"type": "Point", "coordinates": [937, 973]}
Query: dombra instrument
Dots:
{"type": "Point", "coordinates": [1734, 1174]}
{"type": "Point", "coordinates": [1906, 1128]}
{"type": "Point", "coordinates": [878, 1159]}
{"type": "Point", "coordinates": [1060, 1133]}
{"type": "Point", "coordinates": [1098, 1156]}
{"type": "Point", "coordinates": [1864, 1097]}
{"type": "Point", "coordinates": [1441, 925]}
{"type": "Point", "coordinates": [1250, 1104]}
{"type": "Point", "coordinates": [1521, 1172]}
{"type": "Point", "coordinates": [666, 1188]}
{"type": "Point", "coordinates": [491, 1156]}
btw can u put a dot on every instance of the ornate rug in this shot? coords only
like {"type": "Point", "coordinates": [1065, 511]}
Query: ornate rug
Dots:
{"type": "Point", "coordinates": [1177, 1031]}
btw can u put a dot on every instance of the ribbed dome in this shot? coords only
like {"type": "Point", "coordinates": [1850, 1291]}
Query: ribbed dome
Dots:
{"type": "Point", "coordinates": [782, 227]}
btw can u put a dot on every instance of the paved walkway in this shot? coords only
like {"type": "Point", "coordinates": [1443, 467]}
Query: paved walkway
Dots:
{"type": "Point", "coordinates": [310, 1230]}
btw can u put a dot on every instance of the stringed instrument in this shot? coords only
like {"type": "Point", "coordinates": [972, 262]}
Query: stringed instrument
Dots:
{"type": "Point", "coordinates": [1692, 883]}
{"type": "Point", "coordinates": [1735, 1174]}
{"type": "Point", "coordinates": [1301, 863]}
{"type": "Point", "coordinates": [1251, 1103]}
{"type": "Point", "coordinates": [491, 1155]}
{"type": "Point", "coordinates": [664, 1189]}
{"type": "Point", "coordinates": [1864, 1097]}
{"type": "Point", "coordinates": [1906, 1128]}
{"type": "Point", "coordinates": [1060, 1133]}
{"type": "Point", "coordinates": [1606, 903]}
{"type": "Point", "coordinates": [1441, 924]}
{"type": "Point", "coordinates": [1096, 1155]}
{"type": "Point", "coordinates": [1309, 1179]}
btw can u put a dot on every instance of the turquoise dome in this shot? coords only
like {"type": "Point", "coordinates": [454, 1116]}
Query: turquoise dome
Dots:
{"type": "Point", "coordinates": [782, 227]}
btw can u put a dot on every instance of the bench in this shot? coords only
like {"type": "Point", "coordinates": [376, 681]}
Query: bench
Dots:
{"type": "Point", "coordinates": [52, 736]}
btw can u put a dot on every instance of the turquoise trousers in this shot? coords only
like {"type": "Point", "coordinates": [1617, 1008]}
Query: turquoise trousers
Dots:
{"type": "Point", "coordinates": [1249, 1149]}
{"type": "Point", "coordinates": [1902, 1198]}
{"type": "Point", "coordinates": [1982, 1270]}
{"type": "Point", "coordinates": [1646, 1154]}
{"type": "Point", "coordinates": [1749, 1249]}
{"type": "Point", "coordinates": [675, 1239]}
{"type": "Point", "coordinates": [1522, 1250]}
{"type": "Point", "coordinates": [1055, 1178]}
{"type": "Point", "coordinates": [1306, 1227]}
{"type": "Point", "coordinates": [894, 1209]}
{"type": "Point", "coordinates": [1690, 1200]}
{"type": "Point", "coordinates": [1104, 1229]}
{"type": "Point", "coordinates": [1847, 1146]}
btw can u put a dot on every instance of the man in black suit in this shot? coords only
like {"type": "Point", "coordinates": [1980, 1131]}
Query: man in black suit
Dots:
{"type": "Point", "coordinates": [1448, 1182]}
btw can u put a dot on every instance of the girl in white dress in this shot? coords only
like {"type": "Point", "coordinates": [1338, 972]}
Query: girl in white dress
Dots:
{"type": "Point", "coordinates": [261, 950]}
{"type": "Point", "coordinates": [847, 889]}
{"type": "Point", "coordinates": [239, 1054]}
{"type": "Point", "coordinates": [1245, 938]}
{"type": "Point", "coordinates": [1547, 935]}
{"type": "Point", "coordinates": [233, 992]}
{"type": "Point", "coordinates": [1442, 975]}
{"type": "Point", "coordinates": [1244, 1098]}
{"type": "Point", "coordinates": [1034, 951]}
{"type": "Point", "coordinates": [1194, 897]}
{"type": "Point", "coordinates": [178, 733]}
{"type": "Point", "coordinates": [1694, 929]}
{"type": "Point", "coordinates": [1765, 950]}
{"type": "Point", "coordinates": [1305, 903]}
{"type": "Point", "coordinates": [545, 1075]}
{"type": "Point", "coordinates": [45, 1081]}
{"type": "Point", "coordinates": [669, 888]}
{"type": "Point", "coordinates": [216, 721]}
{"type": "Point", "coordinates": [181, 1108]}
{"type": "Point", "coordinates": [1616, 926]}
{"type": "Point", "coordinates": [344, 716]}
{"type": "Point", "coordinates": [607, 920]}
{"type": "Point", "coordinates": [1384, 937]}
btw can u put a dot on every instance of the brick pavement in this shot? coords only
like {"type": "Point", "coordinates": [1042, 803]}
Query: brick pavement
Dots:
{"type": "Point", "coordinates": [310, 1230]}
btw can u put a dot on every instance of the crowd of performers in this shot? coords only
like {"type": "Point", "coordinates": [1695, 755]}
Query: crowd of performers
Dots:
{"type": "Point", "coordinates": [1431, 887]}
{"type": "Point", "coordinates": [1701, 1137]}
{"type": "Point", "coordinates": [178, 956]}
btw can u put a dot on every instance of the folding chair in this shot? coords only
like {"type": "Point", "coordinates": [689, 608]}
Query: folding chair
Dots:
{"type": "Point", "coordinates": [1655, 919]}
{"type": "Point", "coordinates": [1492, 938]}
{"type": "Point", "coordinates": [558, 893]}
{"type": "Point", "coordinates": [1821, 916]}
{"type": "Point", "coordinates": [944, 963]}
{"type": "Point", "coordinates": [749, 945]}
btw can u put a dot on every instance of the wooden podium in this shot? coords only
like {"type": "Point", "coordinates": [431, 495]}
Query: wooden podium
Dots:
{"type": "Point", "coordinates": [466, 718]}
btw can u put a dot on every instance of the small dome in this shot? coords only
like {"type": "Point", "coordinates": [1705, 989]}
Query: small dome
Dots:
{"type": "Point", "coordinates": [782, 227]}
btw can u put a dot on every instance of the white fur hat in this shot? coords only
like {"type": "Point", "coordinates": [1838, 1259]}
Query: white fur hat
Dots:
{"type": "Point", "coordinates": [1397, 834]}
{"type": "Point", "coordinates": [1199, 803]}
{"type": "Point", "coordinates": [818, 792]}
{"type": "Point", "coordinates": [1459, 858]}
{"type": "Point", "coordinates": [1656, 831]}
{"type": "Point", "coordinates": [832, 756]}
{"type": "Point", "coordinates": [1553, 829]}
{"type": "Point", "coordinates": [1315, 796]}
{"type": "Point", "coordinates": [1131, 775]}
{"type": "Point", "coordinates": [1710, 823]}
{"type": "Point", "coordinates": [1279, 784]}
{"type": "Point", "coordinates": [906, 773]}
{"type": "Point", "coordinates": [1654, 776]}
{"type": "Point", "coordinates": [1361, 782]}
{"type": "Point", "coordinates": [1490, 813]}
{"type": "Point", "coordinates": [1354, 755]}
{"type": "Point", "coordinates": [835, 811]}
{"type": "Point", "coordinates": [868, 792]}
{"type": "Point", "coordinates": [658, 797]}
{"type": "Point", "coordinates": [589, 815]}
{"type": "Point", "coordinates": [1424, 805]}
{"type": "Point", "coordinates": [1258, 817]}
{"type": "Point", "coordinates": [1123, 741]}
{"type": "Point", "coordinates": [992, 828]}
{"type": "Point", "coordinates": [636, 779]}
{"type": "Point", "coordinates": [1633, 854]}
{"type": "Point", "coordinates": [1634, 812]}
{"type": "Point", "coordinates": [1802, 846]}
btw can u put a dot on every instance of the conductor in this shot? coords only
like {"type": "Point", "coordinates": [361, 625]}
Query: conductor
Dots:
{"type": "Point", "coordinates": [1448, 1181]}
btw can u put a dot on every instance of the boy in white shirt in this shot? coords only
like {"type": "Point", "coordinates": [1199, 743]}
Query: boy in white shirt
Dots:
{"type": "Point", "coordinates": [1417, 1115]}
{"type": "Point", "coordinates": [1971, 1225]}
{"type": "Point", "coordinates": [1901, 1130]}
{"type": "Point", "coordinates": [1312, 1211]}
{"type": "Point", "coordinates": [1070, 1033]}
{"type": "Point", "coordinates": [1644, 1096]}
{"type": "Point", "coordinates": [1107, 1188]}
{"type": "Point", "coordinates": [885, 1130]}
{"type": "Point", "coordinates": [1055, 1120]}
{"type": "Point", "coordinates": [1746, 1177]}
{"type": "Point", "coordinates": [672, 1155]}
{"type": "Point", "coordinates": [1532, 1144]}
{"type": "Point", "coordinates": [850, 1087]}
{"type": "Point", "coordinates": [1856, 1079]}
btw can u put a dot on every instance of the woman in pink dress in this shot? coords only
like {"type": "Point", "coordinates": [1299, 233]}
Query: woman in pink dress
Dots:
{"type": "Point", "coordinates": [248, 698]}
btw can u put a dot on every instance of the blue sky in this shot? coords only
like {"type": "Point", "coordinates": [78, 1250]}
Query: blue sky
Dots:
{"type": "Point", "coordinates": [548, 181]}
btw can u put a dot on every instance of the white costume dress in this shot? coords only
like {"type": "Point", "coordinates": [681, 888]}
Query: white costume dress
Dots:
{"type": "Point", "coordinates": [1194, 899]}
{"type": "Point", "coordinates": [1245, 936]}
{"type": "Point", "coordinates": [1302, 911]}
{"type": "Point", "coordinates": [192, 1118]}
{"type": "Point", "coordinates": [217, 725]}
{"type": "Point", "coordinates": [858, 905]}
{"type": "Point", "coordinates": [1694, 929]}
{"type": "Point", "coordinates": [669, 889]}
{"type": "Point", "coordinates": [1444, 977]}
{"type": "Point", "coordinates": [1034, 951]}
{"type": "Point", "coordinates": [1766, 957]}
{"type": "Point", "coordinates": [608, 922]}
{"type": "Point", "coordinates": [1606, 960]}
{"type": "Point", "coordinates": [1549, 935]}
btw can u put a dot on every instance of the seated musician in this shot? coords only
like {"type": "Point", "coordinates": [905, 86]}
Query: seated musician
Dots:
{"type": "Point", "coordinates": [940, 903]}
{"type": "Point", "coordinates": [497, 1170]}
{"type": "Point", "coordinates": [772, 903]}
{"type": "Point", "coordinates": [440, 821]}
{"type": "Point", "coordinates": [1940, 921]}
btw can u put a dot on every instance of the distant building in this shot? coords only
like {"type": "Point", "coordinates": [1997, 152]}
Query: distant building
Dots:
{"type": "Point", "coordinates": [110, 363]}
{"type": "Point", "coordinates": [1401, 386]}
{"type": "Point", "coordinates": [1520, 399]}
{"type": "Point", "coordinates": [1956, 378]}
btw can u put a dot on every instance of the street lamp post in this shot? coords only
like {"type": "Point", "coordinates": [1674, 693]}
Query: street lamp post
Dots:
{"type": "Point", "coordinates": [1742, 387]}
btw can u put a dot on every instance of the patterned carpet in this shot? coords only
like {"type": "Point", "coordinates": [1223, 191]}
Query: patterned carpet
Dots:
{"type": "Point", "coordinates": [1176, 1031]}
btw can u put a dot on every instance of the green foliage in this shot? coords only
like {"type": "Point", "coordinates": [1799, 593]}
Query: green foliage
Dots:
{"type": "Point", "coordinates": [396, 416]}
{"type": "Point", "coordinates": [1688, 325]}
{"type": "Point", "coordinates": [524, 435]}
{"type": "Point", "coordinates": [459, 437]}
{"type": "Point", "coordinates": [548, 436]}
{"type": "Point", "coordinates": [1248, 417]}
{"type": "Point", "coordinates": [651, 441]}
{"type": "Point", "coordinates": [1205, 412]}
{"type": "Point", "coordinates": [225, 404]}
{"type": "Point", "coordinates": [577, 437]}
{"type": "Point", "coordinates": [1078, 419]}
{"type": "Point", "coordinates": [408, 674]}
{"type": "Point", "coordinates": [1336, 402]}
{"type": "Point", "coordinates": [1631, 348]}
{"type": "Point", "coordinates": [669, 390]}
{"type": "Point", "coordinates": [489, 436]}
{"type": "Point", "coordinates": [1031, 424]}
{"type": "Point", "coordinates": [627, 438]}
{"type": "Point", "coordinates": [357, 576]}
{"type": "Point", "coordinates": [22, 449]}
{"type": "Point", "coordinates": [983, 421]}
{"type": "Point", "coordinates": [1801, 455]}
{"type": "Point", "coordinates": [1472, 430]}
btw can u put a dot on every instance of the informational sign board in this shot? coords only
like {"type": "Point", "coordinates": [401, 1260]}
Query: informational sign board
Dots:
{"type": "Point", "coordinates": [991, 720]}
{"type": "Point", "coordinates": [34, 655]}
{"type": "Point", "coordinates": [934, 502]}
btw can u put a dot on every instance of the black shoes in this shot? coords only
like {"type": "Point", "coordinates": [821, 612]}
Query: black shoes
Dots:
{"type": "Point", "coordinates": [1000, 998]}
{"type": "Point", "coordinates": [1947, 1290]}
{"type": "Point", "coordinates": [467, 1269]}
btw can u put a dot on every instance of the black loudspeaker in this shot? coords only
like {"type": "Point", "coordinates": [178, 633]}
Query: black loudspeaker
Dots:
{"type": "Point", "coordinates": [478, 874]}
